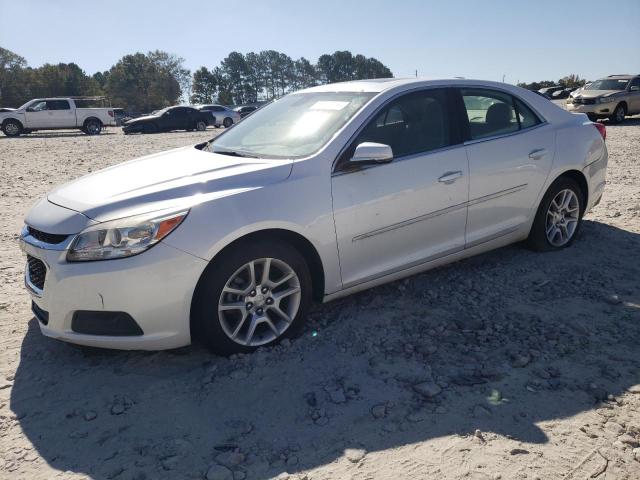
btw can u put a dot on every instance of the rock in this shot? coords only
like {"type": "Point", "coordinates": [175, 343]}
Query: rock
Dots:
{"type": "Point", "coordinates": [219, 472]}
{"type": "Point", "coordinates": [230, 459]}
{"type": "Point", "coordinates": [379, 411]}
{"type": "Point", "coordinates": [354, 455]}
{"type": "Point", "coordinates": [519, 451]}
{"type": "Point", "coordinates": [480, 411]}
{"type": "Point", "coordinates": [478, 434]}
{"type": "Point", "coordinates": [613, 299]}
{"type": "Point", "coordinates": [336, 395]}
{"type": "Point", "coordinates": [239, 475]}
{"type": "Point", "coordinates": [311, 399]}
{"type": "Point", "coordinates": [419, 416]}
{"type": "Point", "coordinates": [427, 389]}
{"type": "Point", "coordinates": [440, 410]}
{"type": "Point", "coordinates": [90, 415]}
{"type": "Point", "coordinates": [520, 360]}
{"type": "Point", "coordinates": [614, 428]}
{"type": "Point", "coordinates": [636, 454]}
{"type": "Point", "coordinates": [628, 440]}
{"type": "Point", "coordinates": [117, 409]}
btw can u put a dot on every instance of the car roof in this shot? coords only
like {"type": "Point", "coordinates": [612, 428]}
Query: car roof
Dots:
{"type": "Point", "coordinates": [621, 77]}
{"type": "Point", "coordinates": [379, 85]}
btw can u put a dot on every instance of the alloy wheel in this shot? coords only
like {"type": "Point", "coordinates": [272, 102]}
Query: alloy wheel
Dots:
{"type": "Point", "coordinates": [619, 113]}
{"type": "Point", "coordinates": [259, 302]}
{"type": "Point", "coordinates": [93, 128]}
{"type": "Point", "coordinates": [11, 128]}
{"type": "Point", "coordinates": [201, 126]}
{"type": "Point", "coordinates": [562, 218]}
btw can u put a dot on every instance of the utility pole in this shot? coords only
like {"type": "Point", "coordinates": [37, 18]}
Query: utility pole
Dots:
{"type": "Point", "coordinates": [416, 73]}
{"type": "Point", "coordinates": [503, 75]}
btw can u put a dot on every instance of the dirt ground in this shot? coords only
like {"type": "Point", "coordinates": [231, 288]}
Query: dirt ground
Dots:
{"type": "Point", "coordinates": [510, 365]}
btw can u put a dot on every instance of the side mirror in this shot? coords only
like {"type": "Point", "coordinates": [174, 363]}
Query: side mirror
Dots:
{"type": "Point", "coordinates": [634, 88]}
{"type": "Point", "coordinates": [369, 153]}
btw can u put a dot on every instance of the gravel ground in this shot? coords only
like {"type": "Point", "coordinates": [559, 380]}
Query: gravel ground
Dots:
{"type": "Point", "coordinates": [508, 365]}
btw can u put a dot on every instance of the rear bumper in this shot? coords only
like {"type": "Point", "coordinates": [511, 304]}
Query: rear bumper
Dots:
{"type": "Point", "coordinates": [154, 289]}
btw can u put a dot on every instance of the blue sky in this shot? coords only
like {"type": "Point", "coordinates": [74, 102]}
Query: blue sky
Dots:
{"type": "Point", "coordinates": [523, 40]}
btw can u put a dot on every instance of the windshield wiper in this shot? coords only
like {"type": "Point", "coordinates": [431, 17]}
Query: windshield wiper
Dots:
{"type": "Point", "coordinates": [234, 153]}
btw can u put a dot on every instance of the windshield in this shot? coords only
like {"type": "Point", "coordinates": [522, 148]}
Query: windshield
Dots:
{"type": "Point", "coordinates": [294, 126]}
{"type": "Point", "coordinates": [609, 84]}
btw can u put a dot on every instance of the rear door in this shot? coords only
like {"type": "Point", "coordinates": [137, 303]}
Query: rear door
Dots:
{"type": "Point", "coordinates": [510, 150]}
{"type": "Point", "coordinates": [60, 114]}
{"type": "Point", "coordinates": [634, 96]}
{"type": "Point", "coordinates": [393, 216]}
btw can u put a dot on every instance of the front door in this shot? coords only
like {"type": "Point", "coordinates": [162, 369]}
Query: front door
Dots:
{"type": "Point", "coordinates": [392, 216]}
{"type": "Point", "coordinates": [510, 155]}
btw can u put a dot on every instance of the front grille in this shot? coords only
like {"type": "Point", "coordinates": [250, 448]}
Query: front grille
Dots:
{"type": "Point", "coordinates": [585, 101]}
{"type": "Point", "coordinates": [37, 271]}
{"type": "Point", "coordinates": [52, 238]}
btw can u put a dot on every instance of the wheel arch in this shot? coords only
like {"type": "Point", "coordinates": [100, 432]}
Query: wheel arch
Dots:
{"type": "Point", "coordinates": [580, 179]}
{"type": "Point", "coordinates": [4, 121]}
{"type": "Point", "coordinates": [298, 241]}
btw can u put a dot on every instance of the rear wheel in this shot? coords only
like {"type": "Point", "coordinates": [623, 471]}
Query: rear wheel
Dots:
{"type": "Point", "coordinates": [559, 216]}
{"type": "Point", "coordinates": [201, 125]}
{"type": "Point", "coordinates": [618, 114]}
{"type": "Point", "coordinates": [12, 128]}
{"type": "Point", "coordinates": [255, 295]}
{"type": "Point", "coordinates": [227, 122]}
{"type": "Point", "coordinates": [92, 126]}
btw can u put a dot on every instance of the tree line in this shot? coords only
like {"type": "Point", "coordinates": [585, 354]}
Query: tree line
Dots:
{"type": "Point", "coordinates": [148, 81]}
{"type": "Point", "coordinates": [570, 81]}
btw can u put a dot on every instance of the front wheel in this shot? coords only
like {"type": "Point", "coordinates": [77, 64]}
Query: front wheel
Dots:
{"type": "Point", "coordinates": [559, 216]}
{"type": "Point", "coordinates": [12, 128]}
{"type": "Point", "coordinates": [618, 114]}
{"type": "Point", "coordinates": [227, 122]}
{"type": "Point", "coordinates": [255, 295]}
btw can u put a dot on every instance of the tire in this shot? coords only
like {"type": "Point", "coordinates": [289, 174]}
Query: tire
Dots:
{"type": "Point", "coordinates": [201, 125]}
{"type": "Point", "coordinates": [558, 224]}
{"type": "Point", "coordinates": [618, 114]}
{"type": "Point", "coordinates": [92, 126]}
{"type": "Point", "coordinates": [223, 319]}
{"type": "Point", "coordinates": [150, 128]}
{"type": "Point", "coordinates": [227, 122]}
{"type": "Point", "coordinates": [12, 128]}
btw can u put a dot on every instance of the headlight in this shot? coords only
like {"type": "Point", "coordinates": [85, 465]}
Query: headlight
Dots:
{"type": "Point", "coordinates": [122, 238]}
{"type": "Point", "coordinates": [606, 99]}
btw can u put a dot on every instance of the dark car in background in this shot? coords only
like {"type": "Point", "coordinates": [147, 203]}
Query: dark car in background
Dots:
{"type": "Point", "coordinates": [168, 119]}
{"type": "Point", "coordinates": [246, 110]}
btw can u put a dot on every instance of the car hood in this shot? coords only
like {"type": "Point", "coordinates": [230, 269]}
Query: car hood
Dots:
{"type": "Point", "coordinates": [141, 119]}
{"type": "Point", "coordinates": [176, 179]}
{"type": "Point", "coordinates": [7, 109]}
{"type": "Point", "coordinates": [597, 93]}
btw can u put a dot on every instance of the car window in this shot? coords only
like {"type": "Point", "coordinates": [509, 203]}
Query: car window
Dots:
{"type": "Point", "coordinates": [58, 105]}
{"type": "Point", "coordinates": [414, 123]}
{"type": "Point", "coordinates": [217, 109]}
{"type": "Point", "coordinates": [38, 106]}
{"type": "Point", "coordinates": [526, 116]}
{"type": "Point", "coordinates": [489, 112]}
{"type": "Point", "coordinates": [635, 82]}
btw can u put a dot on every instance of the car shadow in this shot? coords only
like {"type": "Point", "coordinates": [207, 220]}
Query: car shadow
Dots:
{"type": "Point", "coordinates": [498, 343]}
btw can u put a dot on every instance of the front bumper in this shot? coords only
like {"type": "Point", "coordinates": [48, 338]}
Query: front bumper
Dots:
{"type": "Point", "coordinates": [155, 288]}
{"type": "Point", "coordinates": [599, 109]}
{"type": "Point", "coordinates": [136, 128]}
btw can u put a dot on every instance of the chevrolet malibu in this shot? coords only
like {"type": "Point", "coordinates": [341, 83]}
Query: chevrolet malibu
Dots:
{"type": "Point", "coordinates": [324, 192]}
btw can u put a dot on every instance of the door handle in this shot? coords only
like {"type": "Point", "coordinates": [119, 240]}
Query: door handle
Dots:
{"type": "Point", "coordinates": [450, 177]}
{"type": "Point", "coordinates": [537, 154]}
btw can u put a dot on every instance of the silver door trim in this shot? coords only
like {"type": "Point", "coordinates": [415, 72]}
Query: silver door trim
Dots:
{"type": "Point", "coordinates": [437, 213]}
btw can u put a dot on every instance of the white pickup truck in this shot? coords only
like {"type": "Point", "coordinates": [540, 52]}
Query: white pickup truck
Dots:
{"type": "Point", "coordinates": [56, 113]}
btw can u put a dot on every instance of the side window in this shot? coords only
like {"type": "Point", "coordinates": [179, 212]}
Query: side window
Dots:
{"type": "Point", "coordinates": [526, 117]}
{"type": "Point", "coordinates": [414, 123]}
{"type": "Point", "coordinates": [38, 106]}
{"type": "Point", "coordinates": [489, 112]}
{"type": "Point", "coordinates": [635, 83]}
{"type": "Point", "coordinates": [58, 105]}
{"type": "Point", "coordinates": [217, 109]}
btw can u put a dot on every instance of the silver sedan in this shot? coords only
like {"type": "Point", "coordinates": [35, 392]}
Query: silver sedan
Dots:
{"type": "Point", "coordinates": [320, 194]}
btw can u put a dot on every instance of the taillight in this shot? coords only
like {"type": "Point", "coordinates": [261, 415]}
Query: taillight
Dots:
{"type": "Point", "coordinates": [602, 129]}
{"type": "Point", "coordinates": [110, 112]}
